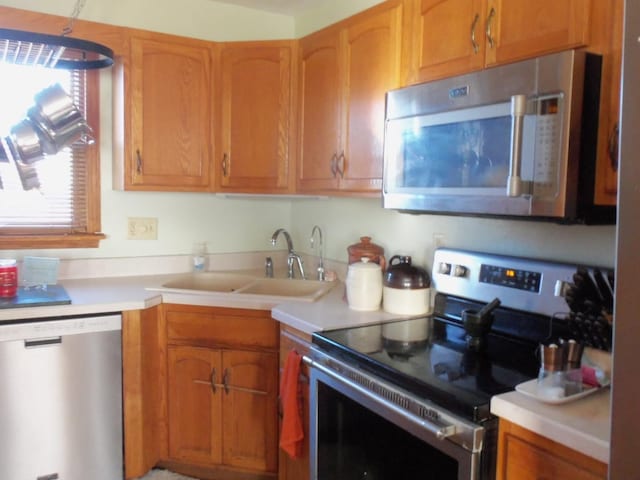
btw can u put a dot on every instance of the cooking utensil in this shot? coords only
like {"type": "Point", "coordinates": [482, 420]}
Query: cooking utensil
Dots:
{"type": "Point", "coordinates": [605, 289]}
{"type": "Point", "coordinates": [477, 324]}
{"type": "Point", "coordinates": [25, 141]}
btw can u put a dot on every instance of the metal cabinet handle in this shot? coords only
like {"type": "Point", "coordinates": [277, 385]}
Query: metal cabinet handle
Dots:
{"type": "Point", "coordinates": [489, 34]}
{"type": "Point", "coordinates": [340, 164]}
{"type": "Point", "coordinates": [514, 180]}
{"type": "Point", "coordinates": [474, 24]}
{"type": "Point", "coordinates": [225, 380]}
{"type": "Point", "coordinates": [334, 164]}
{"type": "Point", "coordinates": [138, 161]}
{"type": "Point", "coordinates": [613, 147]}
{"type": "Point", "coordinates": [212, 379]}
{"type": "Point", "coordinates": [224, 164]}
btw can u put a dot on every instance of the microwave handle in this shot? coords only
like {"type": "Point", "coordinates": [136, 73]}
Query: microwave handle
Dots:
{"type": "Point", "coordinates": [515, 185]}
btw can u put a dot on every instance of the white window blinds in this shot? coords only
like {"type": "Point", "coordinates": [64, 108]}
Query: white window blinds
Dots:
{"type": "Point", "coordinates": [50, 196]}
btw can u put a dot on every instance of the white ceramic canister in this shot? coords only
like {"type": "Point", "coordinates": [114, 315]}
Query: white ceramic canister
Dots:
{"type": "Point", "coordinates": [364, 285]}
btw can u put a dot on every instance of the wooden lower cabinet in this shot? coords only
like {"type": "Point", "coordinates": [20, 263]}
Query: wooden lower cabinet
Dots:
{"type": "Point", "coordinates": [292, 339]}
{"type": "Point", "coordinates": [524, 455]}
{"type": "Point", "coordinates": [222, 384]}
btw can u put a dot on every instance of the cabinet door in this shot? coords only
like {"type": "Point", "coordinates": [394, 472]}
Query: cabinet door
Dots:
{"type": "Point", "coordinates": [169, 144]}
{"type": "Point", "coordinates": [256, 108]}
{"type": "Point", "coordinates": [319, 111]}
{"type": "Point", "coordinates": [372, 57]}
{"type": "Point", "coordinates": [607, 20]}
{"type": "Point", "coordinates": [195, 433]}
{"type": "Point", "coordinates": [250, 410]}
{"type": "Point", "coordinates": [524, 28]}
{"type": "Point", "coordinates": [448, 38]}
{"type": "Point", "coordinates": [524, 455]}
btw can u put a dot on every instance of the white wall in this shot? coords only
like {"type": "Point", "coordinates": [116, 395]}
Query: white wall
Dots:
{"type": "Point", "coordinates": [247, 224]}
{"type": "Point", "coordinates": [344, 221]}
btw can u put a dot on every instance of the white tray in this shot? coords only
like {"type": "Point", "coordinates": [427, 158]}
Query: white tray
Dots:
{"type": "Point", "coordinates": [530, 389]}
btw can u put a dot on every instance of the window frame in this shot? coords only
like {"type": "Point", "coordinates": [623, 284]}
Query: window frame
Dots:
{"type": "Point", "coordinates": [91, 235]}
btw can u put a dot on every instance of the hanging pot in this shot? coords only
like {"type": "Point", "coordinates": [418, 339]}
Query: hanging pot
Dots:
{"type": "Point", "coordinates": [25, 142]}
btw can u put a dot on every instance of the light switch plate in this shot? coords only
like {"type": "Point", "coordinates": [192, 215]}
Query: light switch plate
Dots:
{"type": "Point", "coordinates": [140, 228]}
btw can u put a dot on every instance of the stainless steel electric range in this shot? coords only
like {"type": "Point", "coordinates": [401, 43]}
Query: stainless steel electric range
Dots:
{"type": "Point", "coordinates": [411, 398]}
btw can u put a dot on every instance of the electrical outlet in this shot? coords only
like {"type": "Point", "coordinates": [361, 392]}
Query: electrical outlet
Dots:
{"type": "Point", "coordinates": [142, 229]}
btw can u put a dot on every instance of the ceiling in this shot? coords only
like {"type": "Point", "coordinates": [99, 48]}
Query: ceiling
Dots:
{"type": "Point", "coordinates": [284, 7]}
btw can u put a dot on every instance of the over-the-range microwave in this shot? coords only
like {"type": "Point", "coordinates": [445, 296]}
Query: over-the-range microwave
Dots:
{"type": "Point", "coordinates": [517, 140]}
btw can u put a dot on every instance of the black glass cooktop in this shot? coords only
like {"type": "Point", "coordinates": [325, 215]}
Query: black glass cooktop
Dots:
{"type": "Point", "coordinates": [429, 357]}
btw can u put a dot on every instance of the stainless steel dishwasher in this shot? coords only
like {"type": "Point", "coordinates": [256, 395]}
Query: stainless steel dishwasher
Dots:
{"type": "Point", "coordinates": [61, 399]}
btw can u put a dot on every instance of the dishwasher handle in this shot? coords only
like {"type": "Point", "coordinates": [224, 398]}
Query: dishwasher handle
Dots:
{"type": "Point", "coordinates": [42, 342]}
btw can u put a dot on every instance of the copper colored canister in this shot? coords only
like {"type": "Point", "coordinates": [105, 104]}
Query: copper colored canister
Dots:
{"type": "Point", "coordinates": [367, 249]}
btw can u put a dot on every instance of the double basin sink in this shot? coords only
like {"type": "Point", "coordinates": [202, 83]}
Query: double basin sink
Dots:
{"type": "Point", "coordinates": [246, 284]}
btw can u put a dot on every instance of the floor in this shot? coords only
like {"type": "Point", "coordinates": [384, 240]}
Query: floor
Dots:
{"type": "Point", "coordinates": [157, 474]}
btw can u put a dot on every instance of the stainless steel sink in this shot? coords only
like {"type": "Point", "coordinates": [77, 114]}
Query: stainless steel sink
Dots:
{"type": "Point", "coordinates": [247, 285]}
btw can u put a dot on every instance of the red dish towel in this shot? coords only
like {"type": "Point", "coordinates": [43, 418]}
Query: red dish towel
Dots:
{"type": "Point", "coordinates": [292, 434]}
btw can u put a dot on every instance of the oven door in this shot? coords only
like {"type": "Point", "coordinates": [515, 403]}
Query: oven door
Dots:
{"type": "Point", "coordinates": [355, 435]}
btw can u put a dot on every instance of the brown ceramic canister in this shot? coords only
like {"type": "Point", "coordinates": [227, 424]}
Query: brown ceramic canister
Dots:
{"type": "Point", "coordinates": [365, 248]}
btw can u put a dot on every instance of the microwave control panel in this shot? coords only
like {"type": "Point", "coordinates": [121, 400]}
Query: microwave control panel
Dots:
{"type": "Point", "coordinates": [547, 146]}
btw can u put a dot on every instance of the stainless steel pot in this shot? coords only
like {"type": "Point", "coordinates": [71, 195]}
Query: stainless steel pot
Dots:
{"type": "Point", "coordinates": [25, 141]}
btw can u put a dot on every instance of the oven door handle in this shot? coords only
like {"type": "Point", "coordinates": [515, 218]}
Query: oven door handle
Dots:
{"type": "Point", "coordinates": [441, 432]}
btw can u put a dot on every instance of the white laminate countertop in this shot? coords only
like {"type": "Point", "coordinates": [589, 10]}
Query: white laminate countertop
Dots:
{"type": "Point", "coordinates": [583, 425]}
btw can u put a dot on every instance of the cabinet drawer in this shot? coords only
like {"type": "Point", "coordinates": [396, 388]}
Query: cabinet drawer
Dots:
{"type": "Point", "coordinates": [221, 327]}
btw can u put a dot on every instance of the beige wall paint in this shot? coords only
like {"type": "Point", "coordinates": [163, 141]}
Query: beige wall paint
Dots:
{"type": "Point", "coordinates": [206, 19]}
{"type": "Point", "coordinates": [235, 225]}
{"type": "Point", "coordinates": [329, 11]}
{"type": "Point", "coordinates": [344, 221]}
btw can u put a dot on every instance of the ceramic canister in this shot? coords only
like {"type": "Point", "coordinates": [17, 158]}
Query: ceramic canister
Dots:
{"type": "Point", "coordinates": [364, 285]}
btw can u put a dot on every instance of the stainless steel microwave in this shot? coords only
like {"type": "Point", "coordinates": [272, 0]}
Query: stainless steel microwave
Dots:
{"type": "Point", "coordinates": [516, 140]}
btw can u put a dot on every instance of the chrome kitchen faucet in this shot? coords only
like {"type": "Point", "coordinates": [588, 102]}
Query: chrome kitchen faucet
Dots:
{"type": "Point", "coordinates": [292, 256]}
{"type": "Point", "coordinates": [320, 269]}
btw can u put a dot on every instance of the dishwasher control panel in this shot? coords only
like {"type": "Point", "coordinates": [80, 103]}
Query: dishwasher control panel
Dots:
{"type": "Point", "coordinates": [58, 327]}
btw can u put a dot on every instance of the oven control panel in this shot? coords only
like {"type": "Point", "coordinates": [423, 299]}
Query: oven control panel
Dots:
{"type": "Point", "coordinates": [522, 283]}
{"type": "Point", "coordinates": [510, 277]}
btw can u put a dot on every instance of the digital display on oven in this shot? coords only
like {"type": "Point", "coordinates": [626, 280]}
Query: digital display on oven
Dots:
{"type": "Point", "coordinates": [511, 278]}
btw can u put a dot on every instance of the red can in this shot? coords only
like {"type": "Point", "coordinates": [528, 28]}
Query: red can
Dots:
{"type": "Point", "coordinates": [8, 278]}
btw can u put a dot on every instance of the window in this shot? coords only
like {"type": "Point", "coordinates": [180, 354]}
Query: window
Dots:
{"type": "Point", "coordinates": [64, 210]}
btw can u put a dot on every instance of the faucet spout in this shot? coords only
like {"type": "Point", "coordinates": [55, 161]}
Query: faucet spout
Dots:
{"type": "Point", "coordinates": [293, 259]}
{"type": "Point", "coordinates": [287, 237]}
{"type": "Point", "coordinates": [320, 269]}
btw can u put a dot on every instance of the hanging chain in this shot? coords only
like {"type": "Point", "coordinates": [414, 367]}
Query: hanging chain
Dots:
{"type": "Point", "coordinates": [73, 17]}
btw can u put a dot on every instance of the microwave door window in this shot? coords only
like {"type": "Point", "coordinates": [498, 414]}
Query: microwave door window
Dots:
{"type": "Point", "coordinates": [471, 154]}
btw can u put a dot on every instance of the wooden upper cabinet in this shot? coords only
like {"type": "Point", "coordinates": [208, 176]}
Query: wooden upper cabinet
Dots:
{"type": "Point", "coordinates": [451, 37]}
{"type": "Point", "coordinates": [606, 39]}
{"type": "Point", "coordinates": [166, 103]}
{"type": "Point", "coordinates": [319, 110]}
{"type": "Point", "coordinates": [255, 101]}
{"type": "Point", "coordinates": [519, 29]}
{"type": "Point", "coordinates": [345, 71]}
{"type": "Point", "coordinates": [447, 37]}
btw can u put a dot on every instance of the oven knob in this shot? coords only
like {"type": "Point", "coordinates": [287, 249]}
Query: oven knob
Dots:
{"type": "Point", "coordinates": [444, 268]}
{"type": "Point", "coordinates": [460, 271]}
